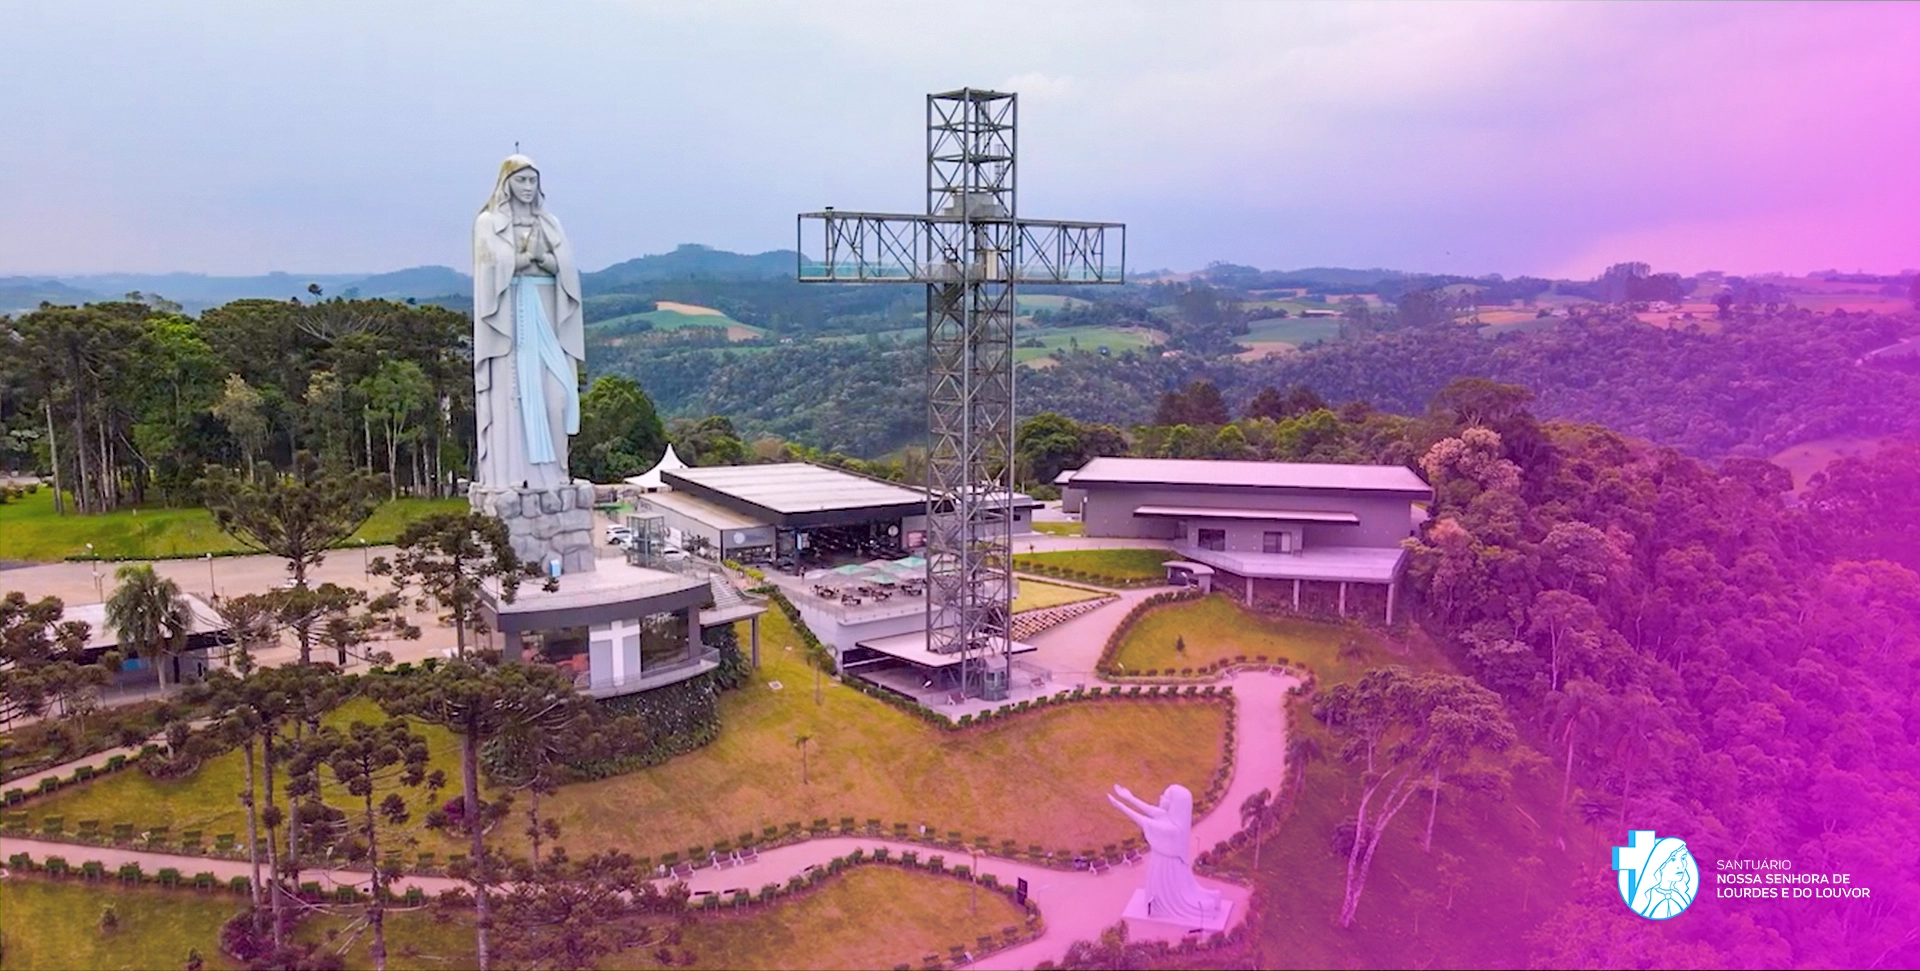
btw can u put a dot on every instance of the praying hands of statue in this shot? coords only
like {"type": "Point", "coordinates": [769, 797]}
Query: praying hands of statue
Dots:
{"type": "Point", "coordinates": [534, 253]}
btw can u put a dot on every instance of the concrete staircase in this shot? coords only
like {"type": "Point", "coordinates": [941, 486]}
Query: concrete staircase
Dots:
{"type": "Point", "coordinates": [726, 595]}
{"type": "Point", "coordinates": [1029, 623]}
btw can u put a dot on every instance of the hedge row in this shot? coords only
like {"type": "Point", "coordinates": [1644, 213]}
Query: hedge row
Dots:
{"type": "Point", "coordinates": [1085, 576]}
{"type": "Point", "coordinates": [817, 653]}
{"type": "Point", "coordinates": [131, 873]}
{"type": "Point", "coordinates": [84, 773]}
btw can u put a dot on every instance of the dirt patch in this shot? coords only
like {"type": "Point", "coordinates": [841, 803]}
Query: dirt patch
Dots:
{"type": "Point", "coordinates": [1260, 350]}
{"type": "Point", "coordinates": [691, 310]}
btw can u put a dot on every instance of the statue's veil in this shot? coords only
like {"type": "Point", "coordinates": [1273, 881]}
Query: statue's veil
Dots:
{"type": "Point", "coordinates": [497, 202]}
{"type": "Point", "coordinates": [1659, 862]}
{"type": "Point", "coordinates": [1178, 802]}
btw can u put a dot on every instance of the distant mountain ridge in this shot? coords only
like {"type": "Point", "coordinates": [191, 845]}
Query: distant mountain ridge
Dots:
{"type": "Point", "coordinates": [692, 261]}
{"type": "Point", "coordinates": [445, 285]}
{"type": "Point", "coordinates": [197, 291]}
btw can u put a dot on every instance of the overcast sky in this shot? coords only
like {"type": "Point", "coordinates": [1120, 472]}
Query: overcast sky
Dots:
{"type": "Point", "coordinates": [238, 138]}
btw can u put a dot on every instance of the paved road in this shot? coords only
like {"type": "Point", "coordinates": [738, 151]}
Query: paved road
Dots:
{"type": "Point", "coordinates": [73, 583]}
{"type": "Point", "coordinates": [115, 857]}
{"type": "Point", "coordinates": [1042, 543]}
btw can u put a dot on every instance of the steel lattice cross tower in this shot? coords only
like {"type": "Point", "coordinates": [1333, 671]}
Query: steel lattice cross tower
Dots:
{"type": "Point", "coordinates": [970, 249]}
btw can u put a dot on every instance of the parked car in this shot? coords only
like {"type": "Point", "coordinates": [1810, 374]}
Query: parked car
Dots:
{"type": "Point", "coordinates": [619, 535]}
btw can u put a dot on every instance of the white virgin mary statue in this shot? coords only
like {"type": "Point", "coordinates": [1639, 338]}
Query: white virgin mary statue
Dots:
{"type": "Point", "coordinates": [528, 336]}
{"type": "Point", "coordinates": [1173, 895]}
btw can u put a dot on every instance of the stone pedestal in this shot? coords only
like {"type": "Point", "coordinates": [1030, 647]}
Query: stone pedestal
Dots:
{"type": "Point", "coordinates": [544, 524]}
{"type": "Point", "coordinates": [1142, 925]}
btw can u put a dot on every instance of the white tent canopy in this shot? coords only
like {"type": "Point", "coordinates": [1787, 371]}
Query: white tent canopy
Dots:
{"type": "Point", "coordinates": [649, 481]}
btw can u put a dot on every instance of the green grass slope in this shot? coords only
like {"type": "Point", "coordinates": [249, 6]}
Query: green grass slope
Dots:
{"type": "Point", "coordinates": [31, 531]}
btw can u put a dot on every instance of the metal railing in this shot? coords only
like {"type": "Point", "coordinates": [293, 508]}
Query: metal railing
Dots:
{"type": "Point", "coordinates": [654, 677]}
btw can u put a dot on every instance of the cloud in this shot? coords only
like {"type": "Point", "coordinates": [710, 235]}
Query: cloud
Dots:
{"type": "Point", "coordinates": [239, 137]}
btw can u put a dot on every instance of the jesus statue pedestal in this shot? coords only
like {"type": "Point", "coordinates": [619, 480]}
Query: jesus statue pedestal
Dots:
{"type": "Point", "coordinates": [1142, 925]}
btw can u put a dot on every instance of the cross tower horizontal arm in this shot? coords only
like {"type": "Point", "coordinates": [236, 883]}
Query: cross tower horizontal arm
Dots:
{"type": "Point", "coordinates": [880, 247]}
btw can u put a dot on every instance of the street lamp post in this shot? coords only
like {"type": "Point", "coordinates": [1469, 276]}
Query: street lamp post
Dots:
{"type": "Point", "coordinates": [98, 594]}
{"type": "Point", "coordinates": [366, 573]}
{"type": "Point", "coordinates": [973, 881]}
{"type": "Point", "coordinates": [212, 593]}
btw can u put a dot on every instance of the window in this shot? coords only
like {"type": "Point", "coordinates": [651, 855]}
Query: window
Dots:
{"type": "Point", "coordinates": [1212, 539]}
{"type": "Point", "coordinates": [664, 641]}
{"type": "Point", "coordinates": [1280, 542]}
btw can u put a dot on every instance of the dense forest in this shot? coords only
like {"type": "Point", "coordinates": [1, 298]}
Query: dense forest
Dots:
{"type": "Point", "coordinates": [1707, 658]}
{"type": "Point", "coordinates": [136, 397]}
{"type": "Point", "coordinates": [1753, 386]}
{"type": "Point", "coordinates": [129, 401]}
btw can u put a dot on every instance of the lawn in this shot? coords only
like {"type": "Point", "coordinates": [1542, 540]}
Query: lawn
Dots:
{"type": "Point", "coordinates": [1038, 778]}
{"type": "Point", "coordinates": [55, 924]}
{"type": "Point", "coordinates": [1122, 565]}
{"type": "Point", "coordinates": [50, 923]}
{"type": "Point", "coordinates": [1218, 628]}
{"type": "Point", "coordinates": [1035, 594]}
{"type": "Point", "coordinates": [208, 800]}
{"type": "Point", "coordinates": [30, 530]}
{"type": "Point", "coordinates": [1060, 529]}
{"type": "Point", "coordinates": [872, 916]}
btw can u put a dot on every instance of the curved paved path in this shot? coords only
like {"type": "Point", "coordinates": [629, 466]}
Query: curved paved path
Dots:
{"type": "Point", "coordinates": [1076, 905]}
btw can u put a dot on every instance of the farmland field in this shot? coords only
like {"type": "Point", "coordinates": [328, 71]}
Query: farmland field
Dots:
{"type": "Point", "coordinates": [1029, 303]}
{"type": "Point", "coordinates": [1280, 335]}
{"type": "Point", "coordinates": [1807, 458]}
{"type": "Point", "coordinates": [673, 316]}
{"type": "Point", "coordinates": [1115, 339]}
{"type": "Point", "coordinates": [1528, 323]}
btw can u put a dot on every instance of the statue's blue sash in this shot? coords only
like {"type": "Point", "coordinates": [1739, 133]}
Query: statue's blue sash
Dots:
{"type": "Point", "coordinates": [537, 348]}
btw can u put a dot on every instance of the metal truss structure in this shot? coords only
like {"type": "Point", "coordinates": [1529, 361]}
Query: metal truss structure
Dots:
{"type": "Point", "coordinates": [970, 249]}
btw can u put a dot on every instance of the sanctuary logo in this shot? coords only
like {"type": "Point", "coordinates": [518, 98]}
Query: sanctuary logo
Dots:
{"type": "Point", "coordinates": [1658, 877]}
